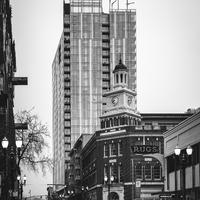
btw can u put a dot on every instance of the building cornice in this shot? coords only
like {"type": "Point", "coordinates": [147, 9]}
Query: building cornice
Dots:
{"type": "Point", "coordinates": [190, 121]}
{"type": "Point", "coordinates": [117, 91]}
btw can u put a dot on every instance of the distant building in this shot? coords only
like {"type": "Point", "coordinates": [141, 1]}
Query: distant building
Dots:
{"type": "Point", "coordinates": [89, 48]}
{"type": "Point", "coordinates": [182, 173]}
{"type": "Point", "coordinates": [74, 172]}
{"type": "Point", "coordinates": [129, 148]}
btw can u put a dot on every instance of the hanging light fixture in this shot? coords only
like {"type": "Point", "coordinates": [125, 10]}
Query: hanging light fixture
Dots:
{"type": "Point", "coordinates": [177, 150]}
{"type": "Point", "coordinates": [189, 150]}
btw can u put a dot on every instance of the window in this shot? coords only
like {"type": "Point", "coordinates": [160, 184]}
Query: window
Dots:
{"type": "Point", "coordinates": [106, 150]}
{"type": "Point", "coordinates": [113, 149]}
{"type": "Point", "coordinates": [67, 131]}
{"type": "Point", "coordinates": [77, 160]}
{"type": "Point", "coordinates": [113, 171]}
{"type": "Point", "coordinates": [67, 116]}
{"type": "Point", "coordinates": [157, 171]}
{"type": "Point", "coordinates": [67, 147]}
{"type": "Point", "coordinates": [117, 78]}
{"type": "Point", "coordinates": [121, 76]}
{"type": "Point", "coordinates": [68, 91]}
{"type": "Point", "coordinates": [120, 173]}
{"type": "Point", "coordinates": [195, 154]}
{"type": "Point", "coordinates": [67, 100]}
{"type": "Point", "coordinates": [67, 123]}
{"type": "Point", "coordinates": [106, 172]}
{"type": "Point", "coordinates": [67, 139]}
{"type": "Point", "coordinates": [120, 148]}
{"type": "Point", "coordinates": [147, 171]}
{"type": "Point", "coordinates": [78, 172]}
{"type": "Point", "coordinates": [138, 171]}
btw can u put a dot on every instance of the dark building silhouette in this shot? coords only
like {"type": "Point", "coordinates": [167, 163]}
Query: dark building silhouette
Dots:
{"type": "Point", "coordinates": [8, 167]}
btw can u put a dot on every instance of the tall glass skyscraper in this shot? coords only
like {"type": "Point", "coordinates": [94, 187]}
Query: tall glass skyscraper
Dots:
{"type": "Point", "coordinates": [91, 45]}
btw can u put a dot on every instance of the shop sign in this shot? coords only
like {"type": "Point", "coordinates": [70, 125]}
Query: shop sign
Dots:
{"type": "Point", "coordinates": [19, 80]}
{"type": "Point", "coordinates": [145, 149]}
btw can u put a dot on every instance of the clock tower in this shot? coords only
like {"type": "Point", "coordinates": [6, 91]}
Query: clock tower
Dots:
{"type": "Point", "coordinates": [120, 108]}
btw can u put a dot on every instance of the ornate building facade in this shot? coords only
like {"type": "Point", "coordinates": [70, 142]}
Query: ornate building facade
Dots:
{"type": "Point", "coordinates": [125, 158]}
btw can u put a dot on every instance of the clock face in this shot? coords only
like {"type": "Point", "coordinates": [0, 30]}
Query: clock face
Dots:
{"type": "Point", "coordinates": [115, 100]}
{"type": "Point", "coordinates": [130, 98]}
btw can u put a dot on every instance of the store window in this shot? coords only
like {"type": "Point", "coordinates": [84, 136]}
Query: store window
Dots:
{"type": "Point", "coordinates": [138, 171]}
{"type": "Point", "coordinates": [157, 171]}
{"type": "Point", "coordinates": [147, 172]}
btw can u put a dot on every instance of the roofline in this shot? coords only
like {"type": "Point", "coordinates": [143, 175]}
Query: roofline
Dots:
{"type": "Point", "coordinates": [182, 124]}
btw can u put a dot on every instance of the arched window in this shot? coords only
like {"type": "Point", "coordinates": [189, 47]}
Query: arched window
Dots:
{"type": "Point", "coordinates": [117, 78]}
{"type": "Point", "coordinates": [115, 122]}
{"type": "Point", "coordinates": [157, 171]}
{"type": "Point", "coordinates": [102, 124]}
{"type": "Point", "coordinates": [120, 120]}
{"type": "Point", "coordinates": [121, 76]}
{"type": "Point", "coordinates": [113, 196]}
{"type": "Point", "coordinates": [107, 123]}
{"type": "Point", "coordinates": [111, 122]}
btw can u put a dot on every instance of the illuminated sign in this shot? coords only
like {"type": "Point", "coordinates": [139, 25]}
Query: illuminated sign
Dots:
{"type": "Point", "coordinates": [145, 149]}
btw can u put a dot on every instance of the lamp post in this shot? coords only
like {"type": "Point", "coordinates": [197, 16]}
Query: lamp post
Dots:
{"type": "Point", "coordinates": [183, 158]}
{"type": "Point", "coordinates": [70, 192]}
{"type": "Point", "coordinates": [21, 183]}
{"type": "Point", "coordinates": [4, 143]}
{"type": "Point", "coordinates": [108, 182]}
{"type": "Point", "coordinates": [84, 192]}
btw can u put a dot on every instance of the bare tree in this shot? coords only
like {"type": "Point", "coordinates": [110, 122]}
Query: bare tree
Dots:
{"type": "Point", "coordinates": [33, 153]}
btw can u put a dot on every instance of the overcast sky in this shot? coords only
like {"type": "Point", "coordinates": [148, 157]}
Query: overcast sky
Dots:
{"type": "Point", "coordinates": [168, 57]}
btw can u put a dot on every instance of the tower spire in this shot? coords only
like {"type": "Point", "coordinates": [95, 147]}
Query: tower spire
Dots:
{"type": "Point", "coordinates": [120, 58]}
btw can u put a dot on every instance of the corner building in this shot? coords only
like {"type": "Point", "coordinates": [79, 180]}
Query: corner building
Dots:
{"type": "Point", "coordinates": [89, 48]}
{"type": "Point", "coordinates": [128, 148]}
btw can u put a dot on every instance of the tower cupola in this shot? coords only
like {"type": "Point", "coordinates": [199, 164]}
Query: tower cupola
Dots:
{"type": "Point", "coordinates": [120, 75]}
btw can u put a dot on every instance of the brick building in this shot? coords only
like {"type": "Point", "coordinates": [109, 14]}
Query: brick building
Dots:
{"type": "Point", "coordinates": [8, 168]}
{"type": "Point", "coordinates": [124, 159]}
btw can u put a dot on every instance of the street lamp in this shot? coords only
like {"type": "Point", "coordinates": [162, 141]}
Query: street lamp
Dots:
{"type": "Point", "coordinates": [183, 158]}
{"type": "Point", "coordinates": [21, 183]}
{"type": "Point", "coordinates": [108, 182]}
{"type": "Point", "coordinates": [5, 143]}
{"type": "Point", "coordinates": [18, 143]}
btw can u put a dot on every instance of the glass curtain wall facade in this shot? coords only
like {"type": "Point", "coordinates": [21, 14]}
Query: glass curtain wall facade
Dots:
{"type": "Point", "coordinates": [82, 71]}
